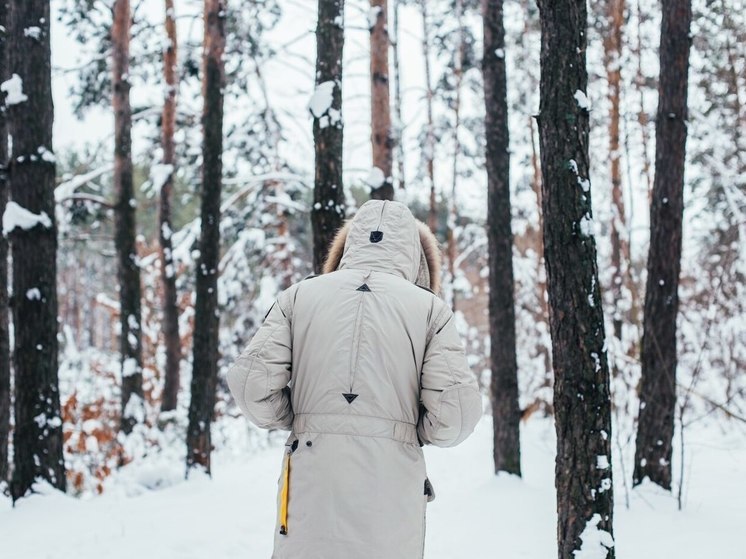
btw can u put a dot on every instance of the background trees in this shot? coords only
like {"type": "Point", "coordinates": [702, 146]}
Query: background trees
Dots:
{"type": "Point", "coordinates": [658, 356]}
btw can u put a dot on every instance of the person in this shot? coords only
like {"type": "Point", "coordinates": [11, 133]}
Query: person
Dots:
{"type": "Point", "coordinates": [363, 364]}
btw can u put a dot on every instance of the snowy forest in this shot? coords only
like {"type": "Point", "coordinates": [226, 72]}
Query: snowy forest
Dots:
{"type": "Point", "coordinates": [170, 166]}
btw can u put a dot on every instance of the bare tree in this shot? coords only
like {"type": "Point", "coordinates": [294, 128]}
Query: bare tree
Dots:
{"type": "Point", "coordinates": [206, 320]}
{"type": "Point", "coordinates": [170, 323]}
{"type": "Point", "coordinates": [128, 270]}
{"type": "Point", "coordinates": [4, 330]}
{"type": "Point", "coordinates": [328, 210]}
{"type": "Point", "coordinates": [581, 374]}
{"type": "Point", "coordinates": [506, 413]}
{"type": "Point", "coordinates": [658, 356]}
{"type": "Point", "coordinates": [382, 138]}
{"type": "Point", "coordinates": [37, 438]}
{"type": "Point", "coordinates": [397, 98]}
{"type": "Point", "coordinates": [432, 218]}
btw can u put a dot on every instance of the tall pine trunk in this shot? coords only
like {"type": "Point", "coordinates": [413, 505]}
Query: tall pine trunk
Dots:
{"type": "Point", "coordinates": [206, 319]}
{"type": "Point", "coordinates": [170, 324]}
{"type": "Point", "coordinates": [506, 413]}
{"type": "Point", "coordinates": [328, 211]}
{"type": "Point", "coordinates": [130, 340]}
{"type": "Point", "coordinates": [37, 439]}
{"type": "Point", "coordinates": [401, 182]}
{"type": "Point", "coordinates": [432, 216]}
{"type": "Point", "coordinates": [382, 138]}
{"type": "Point", "coordinates": [581, 374]}
{"type": "Point", "coordinates": [4, 329]}
{"type": "Point", "coordinates": [658, 355]}
{"type": "Point", "coordinates": [612, 62]}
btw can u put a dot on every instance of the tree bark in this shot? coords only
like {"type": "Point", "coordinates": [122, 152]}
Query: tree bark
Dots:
{"type": "Point", "coordinates": [130, 341]}
{"type": "Point", "coordinates": [170, 324]}
{"type": "Point", "coordinates": [658, 355]}
{"type": "Point", "coordinates": [4, 326]}
{"type": "Point", "coordinates": [432, 216]}
{"type": "Point", "coordinates": [37, 439]}
{"type": "Point", "coordinates": [382, 139]}
{"type": "Point", "coordinates": [612, 62]}
{"type": "Point", "coordinates": [397, 100]}
{"type": "Point", "coordinates": [506, 413]}
{"type": "Point", "coordinates": [581, 374]}
{"type": "Point", "coordinates": [206, 318]}
{"type": "Point", "coordinates": [328, 211]}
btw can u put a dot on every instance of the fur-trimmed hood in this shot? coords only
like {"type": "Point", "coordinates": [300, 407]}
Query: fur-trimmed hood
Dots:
{"type": "Point", "coordinates": [384, 235]}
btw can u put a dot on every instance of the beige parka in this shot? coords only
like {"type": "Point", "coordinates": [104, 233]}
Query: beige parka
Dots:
{"type": "Point", "coordinates": [363, 365]}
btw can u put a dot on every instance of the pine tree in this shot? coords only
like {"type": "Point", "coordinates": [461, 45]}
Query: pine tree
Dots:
{"type": "Point", "coordinates": [4, 330]}
{"type": "Point", "coordinates": [506, 413]}
{"type": "Point", "coordinates": [658, 355]}
{"type": "Point", "coordinates": [328, 210]}
{"type": "Point", "coordinates": [581, 386]}
{"type": "Point", "coordinates": [382, 138]}
{"type": "Point", "coordinates": [206, 319]}
{"type": "Point", "coordinates": [37, 439]}
{"type": "Point", "coordinates": [130, 340]}
{"type": "Point", "coordinates": [170, 323]}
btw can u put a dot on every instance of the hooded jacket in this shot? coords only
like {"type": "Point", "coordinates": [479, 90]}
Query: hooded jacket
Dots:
{"type": "Point", "coordinates": [363, 364]}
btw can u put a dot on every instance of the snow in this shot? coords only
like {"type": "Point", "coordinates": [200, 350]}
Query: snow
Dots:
{"type": "Point", "coordinates": [375, 178]}
{"type": "Point", "coordinates": [321, 100]}
{"type": "Point", "coordinates": [475, 514]}
{"type": "Point", "coordinates": [34, 32]}
{"type": "Point", "coordinates": [159, 174]}
{"type": "Point", "coordinates": [17, 216]}
{"type": "Point", "coordinates": [33, 294]}
{"type": "Point", "coordinates": [582, 100]}
{"type": "Point", "coordinates": [373, 16]}
{"type": "Point", "coordinates": [129, 367]}
{"type": "Point", "coordinates": [14, 90]}
{"type": "Point", "coordinates": [596, 542]}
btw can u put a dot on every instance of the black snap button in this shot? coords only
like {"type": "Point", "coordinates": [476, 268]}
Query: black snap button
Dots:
{"type": "Point", "coordinates": [308, 443]}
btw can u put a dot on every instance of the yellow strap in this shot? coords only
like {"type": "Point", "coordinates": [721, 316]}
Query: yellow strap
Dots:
{"type": "Point", "coordinates": [284, 495]}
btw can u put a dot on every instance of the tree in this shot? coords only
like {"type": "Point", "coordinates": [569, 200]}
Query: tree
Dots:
{"type": "Point", "coordinates": [4, 330]}
{"type": "Point", "coordinates": [658, 355]}
{"type": "Point", "coordinates": [382, 138]}
{"type": "Point", "coordinates": [37, 439]}
{"type": "Point", "coordinates": [429, 143]}
{"type": "Point", "coordinates": [328, 210]}
{"type": "Point", "coordinates": [128, 271]}
{"type": "Point", "coordinates": [401, 178]}
{"type": "Point", "coordinates": [506, 413]}
{"type": "Point", "coordinates": [170, 324]}
{"type": "Point", "coordinates": [206, 319]}
{"type": "Point", "coordinates": [581, 374]}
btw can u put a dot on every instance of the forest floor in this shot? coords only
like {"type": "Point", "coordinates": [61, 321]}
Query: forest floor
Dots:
{"type": "Point", "coordinates": [475, 514]}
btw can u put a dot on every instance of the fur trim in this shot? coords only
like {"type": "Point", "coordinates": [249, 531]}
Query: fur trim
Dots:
{"type": "Point", "coordinates": [336, 249]}
{"type": "Point", "coordinates": [430, 251]}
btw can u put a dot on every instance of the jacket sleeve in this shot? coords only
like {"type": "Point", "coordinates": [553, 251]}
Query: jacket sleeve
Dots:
{"type": "Point", "coordinates": [451, 404]}
{"type": "Point", "coordinates": [259, 378]}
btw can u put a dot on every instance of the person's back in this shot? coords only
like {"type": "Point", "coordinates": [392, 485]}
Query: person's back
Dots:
{"type": "Point", "coordinates": [375, 368]}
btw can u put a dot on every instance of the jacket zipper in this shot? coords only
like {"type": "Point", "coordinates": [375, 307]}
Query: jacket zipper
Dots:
{"type": "Point", "coordinates": [356, 336]}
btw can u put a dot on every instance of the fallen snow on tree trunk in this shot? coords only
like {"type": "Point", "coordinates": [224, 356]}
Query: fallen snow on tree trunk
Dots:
{"type": "Point", "coordinates": [17, 216]}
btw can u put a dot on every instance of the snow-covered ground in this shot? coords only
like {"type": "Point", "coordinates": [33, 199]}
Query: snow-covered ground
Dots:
{"type": "Point", "coordinates": [475, 514]}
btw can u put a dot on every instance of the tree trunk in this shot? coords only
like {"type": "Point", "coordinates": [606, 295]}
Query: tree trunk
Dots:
{"type": "Point", "coordinates": [397, 99]}
{"type": "Point", "coordinates": [432, 217]}
{"type": "Point", "coordinates": [130, 341]}
{"type": "Point", "coordinates": [328, 211]}
{"type": "Point", "coordinates": [382, 139]}
{"type": "Point", "coordinates": [506, 413]}
{"type": "Point", "coordinates": [452, 220]}
{"type": "Point", "coordinates": [170, 324]}
{"type": "Point", "coordinates": [581, 375]}
{"type": "Point", "coordinates": [658, 355]}
{"type": "Point", "coordinates": [4, 330]}
{"type": "Point", "coordinates": [206, 318]}
{"type": "Point", "coordinates": [37, 439]}
{"type": "Point", "coordinates": [612, 62]}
